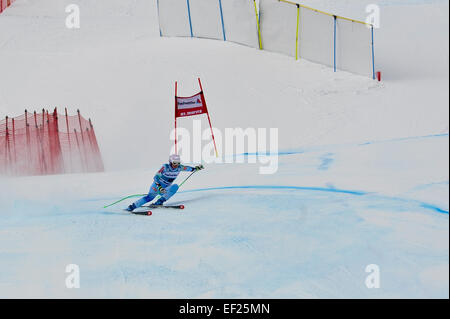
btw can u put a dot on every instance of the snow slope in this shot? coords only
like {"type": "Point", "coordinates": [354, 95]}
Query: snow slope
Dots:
{"type": "Point", "coordinates": [363, 166]}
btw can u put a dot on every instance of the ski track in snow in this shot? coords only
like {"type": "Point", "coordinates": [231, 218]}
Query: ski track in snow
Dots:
{"type": "Point", "coordinates": [375, 197]}
{"type": "Point", "coordinates": [265, 241]}
{"type": "Point", "coordinates": [296, 244]}
{"type": "Point", "coordinates": [326, 160]}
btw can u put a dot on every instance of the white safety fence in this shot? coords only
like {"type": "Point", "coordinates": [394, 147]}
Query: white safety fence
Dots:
{"type": "Point", "coordinates": [354, 47]}
{"type": "Point", "coordinates": [316, 40]}
{"type": "Point", "coordinates": [241, 22]}
{"type": "Point", "coordinates": [278, 26]}
{"type": "Point", "coordinates": [231, 20]}
{"type": "Point", "coordinates": [278, 22]}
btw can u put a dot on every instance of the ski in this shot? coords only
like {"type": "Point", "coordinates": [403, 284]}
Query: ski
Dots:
{"type": "Point", "coordinates": [149, 212]}
{"type": "Point", "coordinates": [165, 206]}
{"type": "Point", "coordinates": [143, 213]}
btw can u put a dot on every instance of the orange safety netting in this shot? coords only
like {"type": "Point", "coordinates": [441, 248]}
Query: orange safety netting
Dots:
{"type": "Point", "coordinates": [48, 143]}
{"type": "Point", "coordinates": [4, 4]}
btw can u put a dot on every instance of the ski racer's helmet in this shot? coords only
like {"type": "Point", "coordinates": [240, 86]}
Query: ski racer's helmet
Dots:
{"type": "Point", "coordinates": [174, 159]}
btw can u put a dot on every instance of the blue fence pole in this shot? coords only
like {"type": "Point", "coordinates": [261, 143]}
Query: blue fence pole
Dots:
{"type": "Point", "coordinates": [189, 14]}
{"type": "Point", "coordinates": [223, 25]}
{"type": "Point", "coordinates": [334, 44]}
{"type": "Point", "coordinates": [159, 21]}
{"type": "Point", "coordinates": [373, 58]}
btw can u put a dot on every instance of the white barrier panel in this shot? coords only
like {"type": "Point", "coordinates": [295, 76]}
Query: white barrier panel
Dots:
{"type": "Point", "coordinates": [316, 37]}
{"type": "Point", "coordinates": [278, 23]}
{"type": "Point", "coordinates": [300, 32]}
{"type": "Point", "coordinates": [174, 18]}
{"type": "Point", "coordinates": [240, 22]}
{"type": "Point", "coordinates": [205, 18]}
{"type": "Point", "coordinates": [354, 47]}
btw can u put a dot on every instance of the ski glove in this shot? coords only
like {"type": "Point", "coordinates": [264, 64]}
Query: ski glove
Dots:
{"type": "Point", "coordinates": [199, 167]}
{"type": "Point", "coordinates": [161, 189]}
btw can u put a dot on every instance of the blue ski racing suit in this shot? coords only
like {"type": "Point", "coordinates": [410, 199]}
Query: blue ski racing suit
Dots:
{"type": "Point", "coordinates": [162, 184]}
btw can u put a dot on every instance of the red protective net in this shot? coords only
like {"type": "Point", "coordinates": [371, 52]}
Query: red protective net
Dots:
{"type": "Point", "coordinates": [4, 4]}
{"type": "Point", "coordinates": [48, 143]}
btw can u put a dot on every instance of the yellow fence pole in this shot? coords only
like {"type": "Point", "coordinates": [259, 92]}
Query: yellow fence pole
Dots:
{"type": "Point", "coordinates": [333, 15]}
{"type": "Point", "coordinates": [296, 35]}
{"type": "Point", "coordinates": [323, 12]}
{"type": "Point", "coordinates": [289, 2]}
{"type": "Point", "coordinates": [257, 23]}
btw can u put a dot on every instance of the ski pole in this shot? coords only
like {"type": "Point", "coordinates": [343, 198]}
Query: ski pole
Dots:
{"type": "Point", "coordinates": [120, 200]}
{"type": "Point", "coordinates": [186, 178]}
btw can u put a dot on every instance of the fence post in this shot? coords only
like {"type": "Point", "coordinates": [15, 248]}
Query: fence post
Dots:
{"type": "Point", "coordinates": [189, 15]}
{"type": "Point", "coordinates": [42, 137]}
{"type": "Point", "coordinates": [257, 23]}
{"type": "Point", "coordinates": [159, 19]}
{"type": "Point", "coordinates": [5, 158]}
{"type": "Point", "coordinates": [296, 32]}
{"type": "Point", "coordinates": [42, 162]}
{"type": "Point", "coordinates": [81, 128]}
{"type": "Point", "coordinates": [68, 136]}
{"type": "Point", "coordinates": [373, 57]}
{"type": "Point", "coordinates": [27, 136]}
{"type": "Point", "coordinates": [14, 144]}
{"type": "Point", "coordinates": [7, 148]}
{"type": "Point", "coordinates": [37, 140]}
{"type": "Point", "coordinates": [61, 166]}
{"type": "Point", "coordinates": [221, 17]}
{"type": "Point", "coordinates": [334, 44]}
{"type": "Point", "coordinates": [92, 147]}
{"type": "Point", "coordinates": [88, 148]}
{"type": "Point", "coordinates": [51, 146]}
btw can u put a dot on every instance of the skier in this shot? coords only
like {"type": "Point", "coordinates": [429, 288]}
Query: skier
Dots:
{"type": "Point", "coordinates": [162, 182]}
